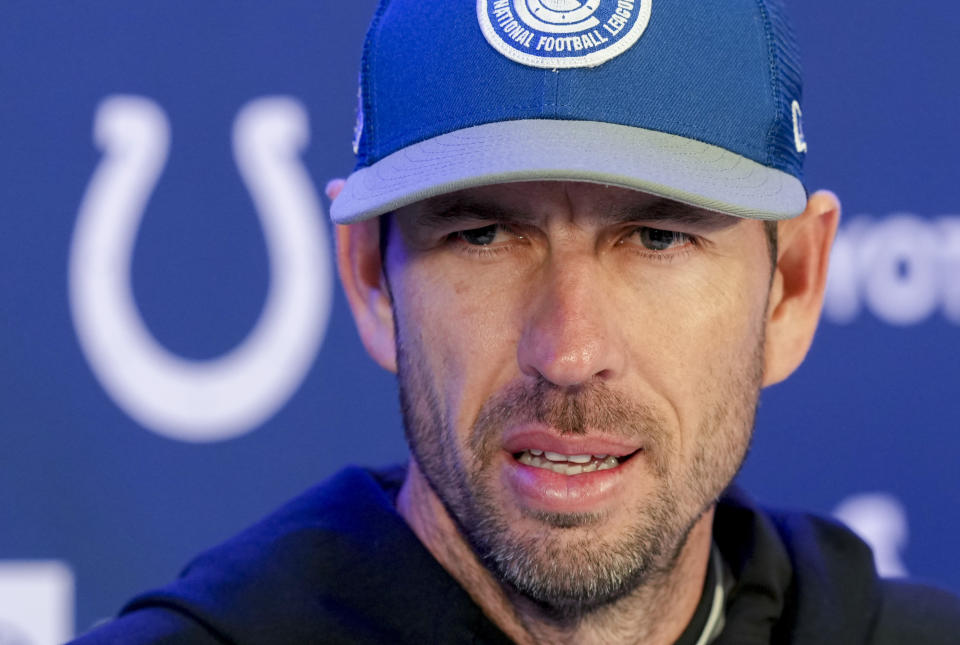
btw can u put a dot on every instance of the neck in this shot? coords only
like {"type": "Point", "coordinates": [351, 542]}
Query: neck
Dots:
{"type": "Point", "coordinates": [655, 613]}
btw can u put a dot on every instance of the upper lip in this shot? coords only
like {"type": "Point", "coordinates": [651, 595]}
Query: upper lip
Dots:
{"type": "Point", "coordinates": [540, 438]}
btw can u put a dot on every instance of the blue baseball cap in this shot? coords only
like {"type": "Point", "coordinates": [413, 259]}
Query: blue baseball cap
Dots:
{"type": "Point", "coordinates": [695, 101]}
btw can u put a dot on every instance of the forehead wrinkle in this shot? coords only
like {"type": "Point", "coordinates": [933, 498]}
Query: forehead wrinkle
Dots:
{"type": "Point", "coordinates": [445, 209]}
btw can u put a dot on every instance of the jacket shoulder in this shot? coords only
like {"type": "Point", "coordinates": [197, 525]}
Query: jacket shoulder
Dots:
{"type": "Point", "coordinates": [151, 626]}
{"type": "Point", "coordinates": [916, 614]}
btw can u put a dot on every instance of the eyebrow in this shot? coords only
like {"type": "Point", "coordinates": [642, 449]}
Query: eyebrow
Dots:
{"type": "Point", "coordinates": [444, 210]}
{"type": "Point", "coordinates": [447, 209]}
{"type": "Point", "coordinates": [663, 209]}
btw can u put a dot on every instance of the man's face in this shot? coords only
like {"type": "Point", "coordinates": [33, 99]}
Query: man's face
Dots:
{"type": "Point", "coordinates": [579, 368]}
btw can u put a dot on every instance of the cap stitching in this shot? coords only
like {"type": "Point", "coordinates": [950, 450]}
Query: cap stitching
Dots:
{"type": "Point", "coordinates": [774, 85]}
{"type": "Point", "coordinates": [368, 138]}
{"type": "Point", "coordinates": [425, 134]}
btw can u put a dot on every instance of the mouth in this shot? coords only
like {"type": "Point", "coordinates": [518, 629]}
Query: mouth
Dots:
{"type": "Point", "coordinates": [571, 465]}
{"type": "Point", "coordinates": [582, 481]}
{"type": "Point", "coordinates": [551, 472]}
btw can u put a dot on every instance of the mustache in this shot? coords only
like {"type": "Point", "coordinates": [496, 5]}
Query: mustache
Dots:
{"type": "Point", "coordinates": [593, 409]}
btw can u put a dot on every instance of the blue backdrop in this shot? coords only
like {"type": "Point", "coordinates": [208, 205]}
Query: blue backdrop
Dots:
{"type": "Point", "coordinates": [176, 360]}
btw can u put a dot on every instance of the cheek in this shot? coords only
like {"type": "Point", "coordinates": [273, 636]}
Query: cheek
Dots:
{"type": "Point", "coordinates": [698, 340]}
{"type": "Point", "coordinates": [717, 318]}
{"type": "Point", "coordinates": [464, 336]}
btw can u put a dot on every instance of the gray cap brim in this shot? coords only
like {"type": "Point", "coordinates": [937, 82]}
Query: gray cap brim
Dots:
{"type": "Point", "coordinates": [661, 164]}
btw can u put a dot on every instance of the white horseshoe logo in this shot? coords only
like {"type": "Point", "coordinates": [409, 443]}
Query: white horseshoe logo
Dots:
{"type": "Point", "coordinates": [199, 401]}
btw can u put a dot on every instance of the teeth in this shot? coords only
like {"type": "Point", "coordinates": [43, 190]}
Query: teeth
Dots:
{"type": "Point", "coordinates": [567, 464]}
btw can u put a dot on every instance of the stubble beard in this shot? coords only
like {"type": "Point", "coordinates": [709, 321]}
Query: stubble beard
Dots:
{"type": "Point", "coordinates": [568, 567]}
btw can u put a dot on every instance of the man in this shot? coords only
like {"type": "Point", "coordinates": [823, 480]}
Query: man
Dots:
{"type": "Point", "coordinates": [578, 233]}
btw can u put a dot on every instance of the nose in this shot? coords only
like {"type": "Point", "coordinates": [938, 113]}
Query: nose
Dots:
{"type": "Point", "coordinates": [569, 336]}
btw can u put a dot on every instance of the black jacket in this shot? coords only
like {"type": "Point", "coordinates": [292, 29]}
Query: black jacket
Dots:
{"type": "Point", "coordinates": [339, 565]}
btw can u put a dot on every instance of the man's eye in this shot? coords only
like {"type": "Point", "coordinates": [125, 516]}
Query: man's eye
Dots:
{"type": "Point", "coordinates": [657, 239]}
{"type": "Point", "coordinates": [479, 236]}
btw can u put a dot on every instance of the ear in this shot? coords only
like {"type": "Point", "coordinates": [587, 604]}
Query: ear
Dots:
{"type": "Point", "coordinates": [365, 285]}
{"type": "Point", "coordinates": [799, 281]}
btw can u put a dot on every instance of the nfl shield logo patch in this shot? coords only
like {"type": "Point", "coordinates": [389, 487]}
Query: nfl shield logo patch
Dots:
{"type": "Point", "coordinates": [562, 33]}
